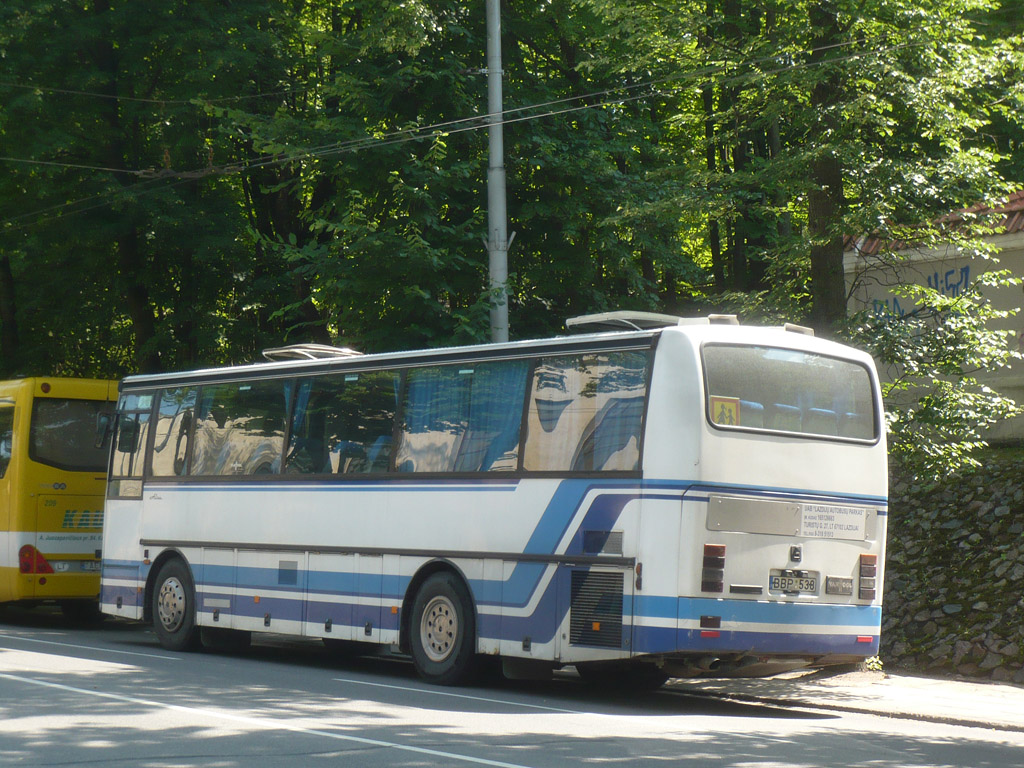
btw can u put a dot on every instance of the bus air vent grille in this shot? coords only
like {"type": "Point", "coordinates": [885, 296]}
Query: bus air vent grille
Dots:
{"type": "Point", "coordinates": [595, 615]}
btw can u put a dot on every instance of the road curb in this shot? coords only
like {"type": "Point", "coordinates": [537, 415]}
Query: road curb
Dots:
{"type": "Point", "coordinates": [828, 705]}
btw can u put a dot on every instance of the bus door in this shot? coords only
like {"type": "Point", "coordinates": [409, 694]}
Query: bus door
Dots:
{"type": "Point", "coordinates": [122, 523]}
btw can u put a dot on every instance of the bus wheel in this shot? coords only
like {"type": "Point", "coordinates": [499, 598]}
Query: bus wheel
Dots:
{"type": "Point", "coordinates": [442, 636]}
{"type": "Point", "coordinates": [174, 607]}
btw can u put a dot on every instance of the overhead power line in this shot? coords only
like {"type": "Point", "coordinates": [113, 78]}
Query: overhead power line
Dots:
{"type": "Point", "coordinates": [70, 165]}
{"type": "Point", "coordinates": [193, 101]}
{"type": "Point", "coordinates": [156, 180]}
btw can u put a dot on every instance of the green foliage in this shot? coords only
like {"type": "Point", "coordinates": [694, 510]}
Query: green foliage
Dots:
{"type": "Point", "coordinates": [930, 358]}
{"type": "Point", "coordinates": [187, 183]}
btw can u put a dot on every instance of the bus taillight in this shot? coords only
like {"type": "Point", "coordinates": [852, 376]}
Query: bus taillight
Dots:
{"type": "Point", "coordinates": [712, 576]}
{"type": "Point", "coordinates": [868, 572]}
{"type": "Point", "coordinates": [31, 560]}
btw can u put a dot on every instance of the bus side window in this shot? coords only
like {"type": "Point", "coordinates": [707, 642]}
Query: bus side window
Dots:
{"type": "Point", "coordinates": [129, 444]}
{"type": "Point", "coordinates": [342, 424]}
{"type": "Point", "coordinates": [586, 412]}
{"type": "Point", "coordinates": [6, 437]}
{"type": "Point", "coordinates": [128, 436]}
{"type": "Point", "coordinates": [240, 429]}
{"type": "Point", "coordinates": [612, 439]}
{"type": "Point", "coordinates": [491, 442]}
{"type": "Point", "coordinates": [463, 418]}
{"type": "Point", "coordinates": [435, 417]}
{"type": "Point", "coordinates": [172, 432]}
{"type": "Point", "coordinates": [126, 458]}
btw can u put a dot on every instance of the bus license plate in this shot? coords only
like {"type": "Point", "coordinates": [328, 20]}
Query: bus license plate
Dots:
{"type": "Point", "coordinates": [786, 582]}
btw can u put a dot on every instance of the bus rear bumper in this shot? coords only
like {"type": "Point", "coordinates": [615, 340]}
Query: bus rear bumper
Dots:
{"type": "Point", "coordinates": [712, 632]}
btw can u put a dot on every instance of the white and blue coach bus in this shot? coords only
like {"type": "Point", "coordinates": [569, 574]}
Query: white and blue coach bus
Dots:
{"type": "Point", "coordinates": [702, 498]}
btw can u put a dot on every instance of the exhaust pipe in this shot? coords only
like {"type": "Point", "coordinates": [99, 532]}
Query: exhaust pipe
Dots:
{"type": "Point", "coordinates": [708, 663]}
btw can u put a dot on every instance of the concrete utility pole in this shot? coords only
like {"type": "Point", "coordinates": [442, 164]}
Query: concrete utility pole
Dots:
{"type": "Point", "coordinates": [497, 236]}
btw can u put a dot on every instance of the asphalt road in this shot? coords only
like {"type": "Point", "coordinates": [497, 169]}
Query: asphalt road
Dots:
{"type": "Point", "coordinates": [110, 696]}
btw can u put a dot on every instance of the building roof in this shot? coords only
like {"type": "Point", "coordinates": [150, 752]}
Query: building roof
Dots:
{"type": "Point", "coordinates": [1012, 220]}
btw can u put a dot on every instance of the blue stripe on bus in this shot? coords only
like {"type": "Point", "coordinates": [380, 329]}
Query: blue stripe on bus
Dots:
{"type": "Point", "coordinates": [396, 484]}
{"type": "Point", "coordinates": [520, 587]}
{"type": "Point", "coordinates": [252, 578]}
{"type": "Point", "coordinates": [669, 640]}
{"type": "Point", "coordinates": [507, 485]}
{"type": "Point", "coordinates": [753, 611]}
{"type": "Point", "coordinates": [540, 625]}
{"type": "Point", "coordinates": [130, 596]}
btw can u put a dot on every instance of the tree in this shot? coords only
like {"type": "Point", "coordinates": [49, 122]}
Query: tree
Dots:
{"type": "Point", "coordinates": [931, 357]}
{"type": "Point", "coordinates": [824, 119]}
{"type": "Point", "coordinates": [118, 259]}
{"type": "Point", "coordinates": [206, 180]}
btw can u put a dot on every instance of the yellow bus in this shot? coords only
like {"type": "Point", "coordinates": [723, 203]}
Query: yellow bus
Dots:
{"type": "Point", "coordinates": [52, 480]}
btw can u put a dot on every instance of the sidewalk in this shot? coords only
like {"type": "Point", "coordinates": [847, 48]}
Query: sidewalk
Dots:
{"type": "Point", "coordinates": [980, 704]}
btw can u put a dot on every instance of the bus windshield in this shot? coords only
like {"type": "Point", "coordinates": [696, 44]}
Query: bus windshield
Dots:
{"type": "Point", "coordinates": [784, 390]}
{"type": "Point", "coordinates": [63, 434]}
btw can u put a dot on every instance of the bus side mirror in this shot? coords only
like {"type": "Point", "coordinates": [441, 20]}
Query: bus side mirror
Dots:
{"type": "Point", "coordinates": [128, 436]}
{"type": "Point", "coordinates": [104, 426]}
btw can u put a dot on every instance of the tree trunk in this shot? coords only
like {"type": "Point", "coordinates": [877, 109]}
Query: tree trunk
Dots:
{"type": "Point", "coordinates": [826, 201]}
{"type": "Point", "coordinates": [132, 268]}
{"type": "Point", "coordinates": [136, 299]}
{"type": "Point", "coordinates": [9, 342]}
{"type": "Point", "coordinates": [824, 213]}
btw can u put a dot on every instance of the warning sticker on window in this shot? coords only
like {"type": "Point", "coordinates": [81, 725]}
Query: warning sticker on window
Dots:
{"type": "Point", "coordinates": [725, 410]}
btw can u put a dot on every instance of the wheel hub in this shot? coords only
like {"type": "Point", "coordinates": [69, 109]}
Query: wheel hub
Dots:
{"type": "Point", "coordinates": [171, 604]}
{"type": "Point", "coordinates": [439, 628]}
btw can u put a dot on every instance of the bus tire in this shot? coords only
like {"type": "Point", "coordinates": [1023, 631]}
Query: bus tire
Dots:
{"type": "Point", "coordinates": [174, 607]}
{"type": "Point", "coordinates": [442, 636]}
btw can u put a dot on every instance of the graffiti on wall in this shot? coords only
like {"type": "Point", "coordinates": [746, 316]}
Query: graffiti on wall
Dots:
{"type": "Point", "coordinates": [952, 282]}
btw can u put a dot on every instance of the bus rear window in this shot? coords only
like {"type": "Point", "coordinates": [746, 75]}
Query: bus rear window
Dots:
{"type": "Point", "coordinates": [63, 434]}
{"type": "Point", "coordinates": [785, 390]}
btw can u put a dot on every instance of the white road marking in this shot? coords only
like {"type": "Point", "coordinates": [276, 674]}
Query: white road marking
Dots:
{"type": "Point", "coordinates": [462, 696]}
{"type": "Point", "coordinates": [259, 722]}
{"type": "Point", "coordinates": [6, 635]}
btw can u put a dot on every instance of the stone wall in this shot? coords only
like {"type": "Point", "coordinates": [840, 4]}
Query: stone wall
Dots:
{"type": "Point", "coordinates": [954, 592]}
